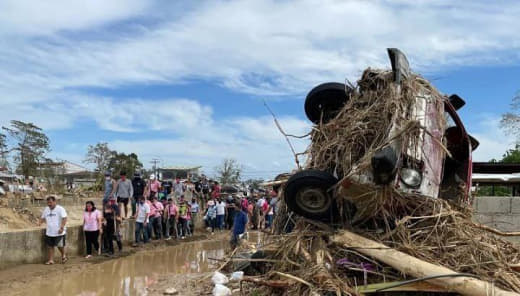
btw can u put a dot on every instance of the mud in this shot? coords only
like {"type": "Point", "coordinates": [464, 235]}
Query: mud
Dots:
{"type": "Point", "coordinates": [133, 273]}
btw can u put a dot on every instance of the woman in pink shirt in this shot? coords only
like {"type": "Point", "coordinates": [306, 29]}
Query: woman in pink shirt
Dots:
{"type": "Point", "coordinates": [92, 227]}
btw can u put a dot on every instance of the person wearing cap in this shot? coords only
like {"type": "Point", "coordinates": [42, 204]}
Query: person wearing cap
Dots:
{"type": "Point", "coordinates": [138, 185]}
{"type": "Point", "coordinates": [211, 215]}
{"type": "Point", "coordinates": [110, 187]}
{"type": "Point", "coordinates": [124, 191]}
{"type": "Point", "coordinates": [152, 188]}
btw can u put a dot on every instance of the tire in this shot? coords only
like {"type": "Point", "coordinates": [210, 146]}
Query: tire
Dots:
{"type": "Point", "coordinates": [307, 194]}
{"type": "Point", "coordinates": [327, 99]}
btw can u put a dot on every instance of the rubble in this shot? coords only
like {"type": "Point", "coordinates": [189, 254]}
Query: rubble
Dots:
{"type": "Point", "coordinates": [384, 238]}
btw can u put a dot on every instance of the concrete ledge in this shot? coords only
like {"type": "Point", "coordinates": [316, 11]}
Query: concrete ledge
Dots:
{"type": "Point", "coordinates": [515, 205]}
{"type": "Point", "coordinates": [493, 204]}
{"type": "Point", "coordinates": [28, 246]}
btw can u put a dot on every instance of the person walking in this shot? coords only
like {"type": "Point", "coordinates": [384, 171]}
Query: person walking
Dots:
{"type": "Point", "coordinates": [231, 210]}
{"type": "Point", "coordinates": [221, 213]}
{"type": "Point", "coordinates": [262, 207]}
{"type": "Point", "coordinates": [138, 186]}
{"type": "Point", "coordinates": [55, 218]}
{"type": "Point", "coordinates": [178, 188]}
{"type": "Point", "coordinates": [215, 192]}
{"type": "Point", "coordinates": [171, 219]}
{"type": "Point", "coordinates": [183, 218]}
{"type": "Point", "coordinates": [194, 209]}
{"type": "Point", "coordinates": [152, 187]}
{"type": "Point", "coordinates": [110, 187]}
{"type": "Point", "coordinates": [124, 191]}
{"type": "Point", "coordinates": [211, 215]}
{"type": "Point", "coordinates": [205, 190]}
{"type": "Point", "coordinates": [141, 221]}
{"type": "Point", "coordinates": [92, 221]}
{"type": "Point", "coordinates": [156, 212]}
{"type": "Point", "coordinates": [239, 227]}
{"type": "Point", "coordinates": [269, 213]}
{"type": "Point", "coordinates": [109, 227]}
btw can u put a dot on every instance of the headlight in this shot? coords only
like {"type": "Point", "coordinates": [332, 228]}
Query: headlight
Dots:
{"type": "Point", "coordinates": [411, 177]}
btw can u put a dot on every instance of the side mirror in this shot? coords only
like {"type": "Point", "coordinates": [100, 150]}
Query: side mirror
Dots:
{"type": "Point", "coordinates": [456, 101]}
{"type": "Point", "coordinates": [400, 65]}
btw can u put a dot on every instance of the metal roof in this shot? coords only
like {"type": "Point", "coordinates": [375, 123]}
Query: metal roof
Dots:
{"type": "Point", "coordinates": [496, 168]}
{"type": "Point", "coordinates": [181, 168]}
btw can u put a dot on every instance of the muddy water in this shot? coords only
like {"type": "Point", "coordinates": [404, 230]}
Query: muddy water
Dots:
{"type": "Point", "coordinates": [131, 275]}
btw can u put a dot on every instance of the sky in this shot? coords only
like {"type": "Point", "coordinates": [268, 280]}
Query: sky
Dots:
{"type": "Point", "coordinates": [185, 81]}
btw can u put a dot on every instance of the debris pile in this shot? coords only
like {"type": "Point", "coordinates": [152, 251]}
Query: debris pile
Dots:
{"type": "Point", "coordinates": [394, 238]}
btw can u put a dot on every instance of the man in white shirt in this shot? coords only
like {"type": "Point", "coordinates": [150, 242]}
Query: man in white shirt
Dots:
{"type": "Point", "coordinates": [221, 213]}
{"type": "Point", "coordinates": [55, 217]}
{"type": "Point", "coordinates": [142, 218]}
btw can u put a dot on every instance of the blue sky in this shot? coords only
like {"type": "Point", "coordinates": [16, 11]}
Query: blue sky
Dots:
{"type": "Point", "coordinates": [185, 82]}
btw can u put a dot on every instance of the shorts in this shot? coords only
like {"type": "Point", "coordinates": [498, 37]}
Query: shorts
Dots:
{"type": "Point", "coordinates": [123, 200]}
{"type": "Point", "coordinates": [55, 241]}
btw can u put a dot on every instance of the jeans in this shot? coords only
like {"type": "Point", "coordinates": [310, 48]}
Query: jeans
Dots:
{"type": "Point", "coordinates": [134, 205]}
{"type": "Point", "coordinates": [171, 227]}
{"type": "Point", "coordinates": [220, 221]}
{"type": "Point", "coordinates": [193, 221]}
{"type": "Point", "coordinates": [212, 223]}
{"type": "Point", "coordinates": [156, 225]}
{"type": "Point", "coordinates": [268, 221]}
{"type": "Point", "coordinates": [140, 228]}
{"type": "Point", "coordinates": [183, 227]}
{"type": "Point", "coordinates": [91, 239]}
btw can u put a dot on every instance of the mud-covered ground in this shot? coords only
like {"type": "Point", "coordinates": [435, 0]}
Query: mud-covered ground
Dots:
{"type": "Point", "coordinates": [26, 279]}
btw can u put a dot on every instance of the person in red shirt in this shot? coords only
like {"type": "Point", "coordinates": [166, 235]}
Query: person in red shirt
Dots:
{"type": "Point", "coordinates": [216, 191]}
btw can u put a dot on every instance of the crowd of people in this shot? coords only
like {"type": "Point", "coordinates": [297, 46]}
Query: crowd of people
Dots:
{"type": "Point", "coordinates": [160, 211]}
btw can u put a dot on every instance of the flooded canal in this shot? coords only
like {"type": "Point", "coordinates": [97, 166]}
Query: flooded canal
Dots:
{"type": "Point", "coordinates": [133, 274]}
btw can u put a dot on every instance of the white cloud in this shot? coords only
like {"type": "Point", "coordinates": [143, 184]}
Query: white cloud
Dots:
{"type": "Point", "coordinates": [493, 141]}
{"type": "Point", "coordinates": [50, 16]}
{"type": "Point", "coordinates": [262, 47]}
{"type": "Point", "coordinates": [261, 150]}
{"type": "Point", "coordinates": [52, 50]}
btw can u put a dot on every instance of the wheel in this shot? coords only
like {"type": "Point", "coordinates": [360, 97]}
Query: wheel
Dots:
{"type": "Point", "coordinates": [325, 101]}
{"type": "Point", "coordinates": [307, 194]}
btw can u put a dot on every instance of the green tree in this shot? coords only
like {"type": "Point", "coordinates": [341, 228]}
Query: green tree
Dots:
{"type": "Point", "coordinates": [31, 145]}
{"type": "Point", "coordinates": [229, 172]}
{"type": "Point", "coordinates": [120, 162]}
{"type": "Point", "coordinates": [99, 155]}
{"type": "Point", "coordinates": [512, 155]}
{"type": "Point", "coordinates": [3, 151]}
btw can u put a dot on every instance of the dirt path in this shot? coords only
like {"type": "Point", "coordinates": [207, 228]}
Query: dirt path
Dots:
{"type": "Point", "coordinates": [20, 279]}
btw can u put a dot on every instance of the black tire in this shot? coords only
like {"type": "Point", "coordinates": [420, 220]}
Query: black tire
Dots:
{"type": "Point", "coordinates": [307, 194]}
{"type": "Point", "coordinates": [327, 99]}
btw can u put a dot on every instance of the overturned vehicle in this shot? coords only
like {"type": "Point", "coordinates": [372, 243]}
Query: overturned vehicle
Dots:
{"type": "Point", "coordinates": [392, 133]}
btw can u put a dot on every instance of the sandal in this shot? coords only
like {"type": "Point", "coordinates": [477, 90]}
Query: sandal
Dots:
{"type": "Point", "coordinates": [49, 263]}
{"type": "Point", "coordinates": [64, 259]}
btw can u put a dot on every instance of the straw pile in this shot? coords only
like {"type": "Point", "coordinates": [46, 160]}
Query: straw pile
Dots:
{"type": "Point", "coordinates": [307, 262]}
